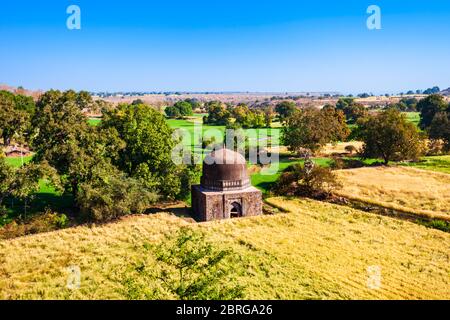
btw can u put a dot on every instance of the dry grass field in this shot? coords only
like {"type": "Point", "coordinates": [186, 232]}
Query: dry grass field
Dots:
{"type": "Point", "coordinates": [316, 251]}
{"type": "Point", "coordinates": [331, 148]}
{"type": "Point", "coordinates": [406, 189]}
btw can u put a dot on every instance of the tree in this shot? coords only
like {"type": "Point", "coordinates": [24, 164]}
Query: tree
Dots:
{"type": "Point", "coordinates": [62, 137]}
{"type": "Point", "coordinates": [172, 112]}
{"type": "Point", "coordinates": [191, 268]}
{"type": "Point", "coordinates": [388, 135]}
{"type": "Point", "coordinates": [137, 101]}
{"type": "Point", "coordinates": [440, 128]}
{"type": "Point", "coordinates": [285, 109]}
{"type": "Point", "coordinates": [298, 180]}
{"type": "Point", "coordinates": [112, 195]}
{"type": "Point", "coordinates": [312, 128]}
{"type": "Point", "coordinates": [148, 147]}
{"type": "Point", "coordinates": [21, 183]}
{"type": "Point", "coordinates": [268, 116]}
{"type": "Point", "coordinates": [433, 90]}
{"type": "Point", "coordinates": [428, 107]}
{"type": "Point", "coordinates": [352, 110]}
{"type": "Point", "coordinates": [180, 109]}
{"type": "Point", "coordinates": [15, 112]}
{"type": "Point", "coordinates": [248, 118]}
{"type": "Point", "coordinates": [217, 113]}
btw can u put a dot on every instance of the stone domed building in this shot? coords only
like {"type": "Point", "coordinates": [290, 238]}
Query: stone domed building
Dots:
{"type": "Point", "coordinates": [225, 190]}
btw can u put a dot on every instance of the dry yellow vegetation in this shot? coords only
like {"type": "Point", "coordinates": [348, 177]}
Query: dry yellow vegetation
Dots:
{"type": "Point", "coordinates": [411, 190]}
{"type": "Point", "coordinates": [331, 148]}
{"type": "Point", "coordinates": [316, 251]}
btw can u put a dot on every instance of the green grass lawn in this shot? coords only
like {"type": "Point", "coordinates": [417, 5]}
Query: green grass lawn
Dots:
{"type": "Point", "coordinates": [94, 121]}
{"type": "Point", "coordinates": [434, 163]}
{"type": "Point", "coordinates": [47, 197]}
{"type": "Point", "coordinates": [414, 117]}
{"type": "Point", "coordinates": [265, 182]}
{"type": "Point", "coordinates": [17, 161]}
{"type": "Point", "coordinates": [209, 131]}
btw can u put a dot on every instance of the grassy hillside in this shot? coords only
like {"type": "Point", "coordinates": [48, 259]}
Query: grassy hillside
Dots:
{"type": "Point", "coordinates": [317, 251]}
{"type": "Point", "coordinates": [407, 189]}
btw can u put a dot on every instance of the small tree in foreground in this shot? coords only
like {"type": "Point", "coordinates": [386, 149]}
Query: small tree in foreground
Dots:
{"type": "Point", "coordinates": [388, 135]}
{"type": "Point", "coordinates": [189, 268]}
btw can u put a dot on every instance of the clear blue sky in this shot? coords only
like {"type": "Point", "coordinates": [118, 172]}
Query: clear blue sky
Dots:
{"type": "Point", "coordinates": [233, 45]}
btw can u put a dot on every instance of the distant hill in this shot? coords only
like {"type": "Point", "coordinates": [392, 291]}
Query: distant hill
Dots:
{"type": "Point", "coordinates": [446, 92]}
{"type": "Point", "coordinates": [26, 92]}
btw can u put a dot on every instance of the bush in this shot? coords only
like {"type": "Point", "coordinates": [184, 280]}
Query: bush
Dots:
{"type": "Point", "coordinates": [350, 149]}
{"type": "Point", "coordinates": [188, 268]}
{"type": "Point", "coordinates": [45, 222]}
{"type": "Point", "coordinates": [296, 180]}
{"type": "Point", "coordinates": [435, 147]}
{"type": "Point", "coordinates": [113, 197]}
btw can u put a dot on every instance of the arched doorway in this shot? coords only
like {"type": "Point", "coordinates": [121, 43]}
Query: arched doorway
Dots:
{"type": "Point", "coordinates": [236, 210]}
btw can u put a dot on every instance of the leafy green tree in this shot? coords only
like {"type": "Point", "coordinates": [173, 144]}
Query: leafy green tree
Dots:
{"type": "Point", "coordinates": [248, 118]}
{"type": "Point", "coordinates": [137, 101]}
{"type": "Point", "coordinates": [84, 100]}
{"type": "Point", "coordinates": [148, 147]}
{"type": "Point", "coordinates": [63, 138]}
{"type": "Point", "coordinates": [14, 116]}
{"type": "Point", "coordinates": [111, 195]}
{"type": "Point", "coordinates": [22, 183]}
{"type": "Point", "coordinates": [352, 110]}
{"type": "Point", "coordinates": [440, 128]}
{"type": "Point", "coordinates": [428, 107]}
{"type": "Point", "coordinates": [24, 103]}
{"type": "Point", "coordinates": [179, 109]}
{"type": "Point", "coordinates": [312, 128]}
{"type": "Point", "coordinates": [268, 116]}
{"type": "Point", "coordinates": [285, 109]}
{"type": "Point", "coordinates": [172, 112]}
{"type": "Point", "coordinates": [192, 268]}
{"type": "Point", "coordinates": [390, 136]}
{"type": "Point", "coordinates": [218, 114]}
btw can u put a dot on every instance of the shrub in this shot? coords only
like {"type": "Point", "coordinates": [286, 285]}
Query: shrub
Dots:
{"type": "Point", "coordinates": [350, 149]}
{"type": "Point", "coordinates": [189, 268]}
{"type": "Point", "coordinates": [113, 197]}
{"type": "Point", "coordinates": [296, 180]}
{"type": "Point", "coordinates": [435, 147]}
{"type": "Point", "coordinates": [45, 222]}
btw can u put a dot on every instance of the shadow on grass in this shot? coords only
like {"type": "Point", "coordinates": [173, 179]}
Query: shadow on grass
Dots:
{"type": "Point", "coordinates": [180, 212]}
{"type": "Point", "coordinates": [39, 203]}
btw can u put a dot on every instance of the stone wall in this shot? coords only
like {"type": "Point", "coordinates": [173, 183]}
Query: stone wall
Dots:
{"type": "Point", "coordinates": [212, 205]}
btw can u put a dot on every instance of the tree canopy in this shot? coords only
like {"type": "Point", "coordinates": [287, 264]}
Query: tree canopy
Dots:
{"type": "Point", "coordinates": [148, 147]}
{"type": "Point", "coordinates": [390, 136]}
{"type": "Point", "coordinates": [312, 128]}
{"type": "Point", "coordinates": [15, 113]}
{"type": "Point", "coordinates": [352, 110]}
{"type": "Point", "coordinates": [428, 107]}
{"type": "Point", "coordinates": [285, 109]}
{"type": "Point", "coordinates": [179, 109]}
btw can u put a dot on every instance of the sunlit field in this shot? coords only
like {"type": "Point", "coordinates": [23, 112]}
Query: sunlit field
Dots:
{"type": "Point", "coordinates": [316, 251]}
{"type": "Point", "coordinates": [406, 189]}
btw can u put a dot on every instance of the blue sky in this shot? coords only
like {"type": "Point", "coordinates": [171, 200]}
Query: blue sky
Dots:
{"type": "Point", "coordinates": [226, 45]}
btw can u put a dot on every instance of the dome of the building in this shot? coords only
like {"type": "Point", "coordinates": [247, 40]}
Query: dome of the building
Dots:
{"type": "Point", "coordinates": [224, 170]}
